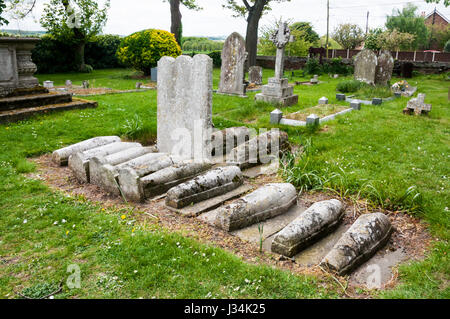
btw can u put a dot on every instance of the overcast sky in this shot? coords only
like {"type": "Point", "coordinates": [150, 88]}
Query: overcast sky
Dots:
{"type": "Point", "coordinates": [128, 16]}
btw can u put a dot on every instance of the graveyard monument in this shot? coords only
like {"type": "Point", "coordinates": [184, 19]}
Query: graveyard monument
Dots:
{"type": "Point", "coordinates": [278, 91]}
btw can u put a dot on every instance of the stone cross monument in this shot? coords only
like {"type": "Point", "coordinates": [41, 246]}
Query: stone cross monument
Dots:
{"type": "Point", "coordinates": [278, 91]}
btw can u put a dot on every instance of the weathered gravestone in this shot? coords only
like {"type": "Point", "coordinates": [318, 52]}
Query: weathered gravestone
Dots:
{"type": "Point", "coordinates": [417, 105]}
{"type": "Point", "coordinates": [255, 75]}
{"type": "Point", "coordinates": [278, 91]}
{"type": "Point", "coordinates": [185, 106]}
{"type": "Point", "coordinates": [233, 60]}
{"type": "Point", "coordinates": [365, 66]}
{"type": "Point", "coordinates": [384, 68]}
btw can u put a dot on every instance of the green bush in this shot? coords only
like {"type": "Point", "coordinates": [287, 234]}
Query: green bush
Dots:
{"type": "Point", "coordinates": [100, 53]}
{"type": "Point", "coordinates": [313, 66]}
{"type": "Point", "coordinates": [349, 86]}
{"type": "Point", "coordinates": [142, 50]}
{"type": "Point", "coordinates": [216, 56]}
{"type": "Point", "coordinates": [336, 66]}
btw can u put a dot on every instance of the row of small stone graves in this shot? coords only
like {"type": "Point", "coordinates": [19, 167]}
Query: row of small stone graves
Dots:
{"type": "Point", "coordinates": [201, 173]}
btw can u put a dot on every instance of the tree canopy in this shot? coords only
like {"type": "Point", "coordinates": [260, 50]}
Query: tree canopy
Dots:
{"type": "Point", "coordinates": [310, 34]}
{"type": "Point", "coordinates": [2, 8]}
{"type": "Point", "coordinates": [348, 35]}
{"type": "Point", "coordinates": [407, 21]}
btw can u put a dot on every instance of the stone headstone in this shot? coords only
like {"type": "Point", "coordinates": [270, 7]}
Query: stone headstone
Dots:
{"type": "Point", "coordinates": [377, 101]}
{"type": "Point", "coordinates": [417, 105]}
{"type": "Point", "coordinates": [86, 84]}
{"type": "Point", "coordinates": [68, 84]}
{"type": "Point", "coordinates": [154, 74]}
{"type": "Point", "coordinates": [340, 97]}
{"type": "Point", "coordinates": [255, 74]}
{"type": "Point", "coordinates": [355, 104]}
{"type": "Point", "coordinates": [233, 61]}
{"type": "Point", "coordinates": [278, 91]}
{"type": "Point", "coordinates": [384, 68]}
{"type": "Point", "coordinates": [138, 85]}
{"type": "Point", "coordinates": [315, 79]}
{"type": "Point", "coordinates": [365, 66]}
{"type": "Point", "coordinates": [313, 119]}
{"type": "Point", "coordinates": [185, 105]}
{"type": "Point", "coordinates": [276, 116]}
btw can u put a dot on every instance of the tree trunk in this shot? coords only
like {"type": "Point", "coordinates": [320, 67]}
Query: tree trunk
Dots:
{"type": "Point", "coordinates": [175, 13]}
{"type": "Point", "coordinates": [251, 39]}
{"type": "Point", "coordinates": [79, 56]}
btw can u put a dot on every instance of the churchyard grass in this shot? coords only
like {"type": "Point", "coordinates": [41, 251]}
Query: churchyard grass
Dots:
{"type": "Point", "coordinates": [395, 161]}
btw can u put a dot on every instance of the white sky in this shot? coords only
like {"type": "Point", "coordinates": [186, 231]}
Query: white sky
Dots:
{"type": "Point", "coordinates": [128, 16]}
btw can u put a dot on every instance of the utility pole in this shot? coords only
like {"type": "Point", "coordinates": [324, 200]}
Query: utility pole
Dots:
{"type": "Point", "coordinates": [328, 25]}
{"type": "Point", "coordinates": [367, 24]}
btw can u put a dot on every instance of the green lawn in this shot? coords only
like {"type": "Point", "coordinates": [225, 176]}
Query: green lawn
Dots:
{"type": "Point", "coordinates": [398, 162]}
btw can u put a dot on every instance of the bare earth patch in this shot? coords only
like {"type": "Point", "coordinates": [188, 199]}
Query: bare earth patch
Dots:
{"type": "Point", "coordinates": [410, 237]}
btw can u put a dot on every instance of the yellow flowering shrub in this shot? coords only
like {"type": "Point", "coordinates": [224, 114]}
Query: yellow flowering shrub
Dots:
{"type": "Point", "coordinates": [142, 50]}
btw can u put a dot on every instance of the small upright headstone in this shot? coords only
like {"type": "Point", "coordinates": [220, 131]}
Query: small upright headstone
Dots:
{"type": "Point", "coordinates": [340, 97]}
{"type": "Point", "coordinates": [85, 84]}
{"type": "Point", "coordinates": [48, 84]}
{"type": "Point", "coordinates": [255, 75]}
{"type": "Point", "coordinates": [323, 100]}
{"type": "Point", "coordinates": [233, 60]}
{"type": "Point", "coordinates": [377, 101]}
{"type": "Point", "coordinates": [365, 66]}
{"type": "Point", "coordinates": [315, 79]}
{"type": "Point", "coordinates": [417, 105]}
{"type": "Point", "coordinates": [154, 74]}
{"type": "Point", "coordinates": [355, 104]}
{"type": "Point", "coordinates": [68, 84]}
{"type": "Point", "coordinates": [138, 85]}
{"type": "Point", "coordinates": [384, 68]}
{"type": "Point", "coordinates": [184, 115]}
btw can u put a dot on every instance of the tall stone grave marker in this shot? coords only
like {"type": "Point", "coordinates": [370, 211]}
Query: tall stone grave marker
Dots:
{"type": "Point", "coordinates": [384, 68]}
{"type": "Point", "coordinates": [185, 106]}
{"type": "Point", "coordinates": [278, 91]}
{"type": "Point", "coordinates": [365, 66]}
{"type": "Point", "coordinates": [233, 60]}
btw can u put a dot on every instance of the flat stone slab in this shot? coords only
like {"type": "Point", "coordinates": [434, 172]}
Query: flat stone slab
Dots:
{"type": "Point", "coordinates": [61, 156]}
{"type": "Point", "coordinates": [264, 203]}
{"type": "Point", "coordinates": [318, 220]}
{"type": "Point", "coordinates": [79, 162]}
{"type": "Point", "coordinates": [362, 240]}
{"type": "Point", "coordinates": [266, 169]}
{"type": "Point", "coordinates": [203, 208]}
{"type": "Point", "coordinates": [213, 183]}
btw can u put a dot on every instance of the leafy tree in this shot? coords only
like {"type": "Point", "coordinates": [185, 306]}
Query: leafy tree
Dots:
{"type": "Point", "coordinates": [74, 22]}
{"type": "Point", "coordinates": [372, 39]}
{"type": "Point", "coordinates": [177, 27]}
{"type": "Point", "coordinates": [395, 40]}
{"type": "Point", "coordinates": [447, 46]}
{"type": "Point", "coordinates": [299, 47]}
{"type": "Point", "coordinates": [310, 34]}
{"type": "Point", "coordinates": [407, 21]}
{"type": "Point", "coordinates": [348, 35]}
{"type": "Point", "coordinates": [252, 10]}
{"type": "Point", "coordinates": [2, 7]}
{"type": "Point", "coordinates": [438, 35]}
{"type": "Point", "coordinates": [446, 2]}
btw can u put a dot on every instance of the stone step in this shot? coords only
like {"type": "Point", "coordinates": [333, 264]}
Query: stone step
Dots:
{"type": "Point", "coordinates": [28, 91]}
{"type": "Point", "coordinates": [35, 100]}
{"type": "Point", "coordinates": [360, 242]}
{"type": "Point", "coordinates": [22, 114]}
{"type": "Point", "coordinates": [266, 202]}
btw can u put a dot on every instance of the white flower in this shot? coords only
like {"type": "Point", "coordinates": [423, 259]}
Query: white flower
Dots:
{"type": "Point", "coordinates": [25, 221]}
{"type": "Point", "coordinates": [55, 223]}
{"type": "Point", "coordinates": [64, 221]}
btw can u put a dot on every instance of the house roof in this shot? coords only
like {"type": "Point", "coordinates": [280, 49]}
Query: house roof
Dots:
{"type": "Point", "coordinates": [438, 13]}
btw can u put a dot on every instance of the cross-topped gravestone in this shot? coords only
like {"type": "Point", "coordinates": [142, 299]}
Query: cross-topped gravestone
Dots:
{"type": "Point", "coordinates": [417, 105]}
{"type": "Point", "coordinates": [278, 91]}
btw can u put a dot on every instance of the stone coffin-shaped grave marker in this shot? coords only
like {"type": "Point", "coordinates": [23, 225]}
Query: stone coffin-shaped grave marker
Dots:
{"type": "Point", "coordinates": [384, 68]}
{"type": "Point", "coordinates": [365, 66]}
{"type": "Point", "coordinates": [185, 106]}
{"type": "Point", "coordinates": [79, 162]}
{"type": "Point", "coordinates": [361, 241]}
{"type": "Point", "coordinates": [266, 202]}
{"type": "Point", "coordinates": [61, 156]}
{"type": "Point", "coordinates": [213, 183]}
{"type": "Point", "coordinates": [233, 60]}
{"type": "Point", "coordinates": [318, 220]}
{"type": "Point", "coordinates": [98, 172]}
{"type": "Point", "coordinates": [255, 74]}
